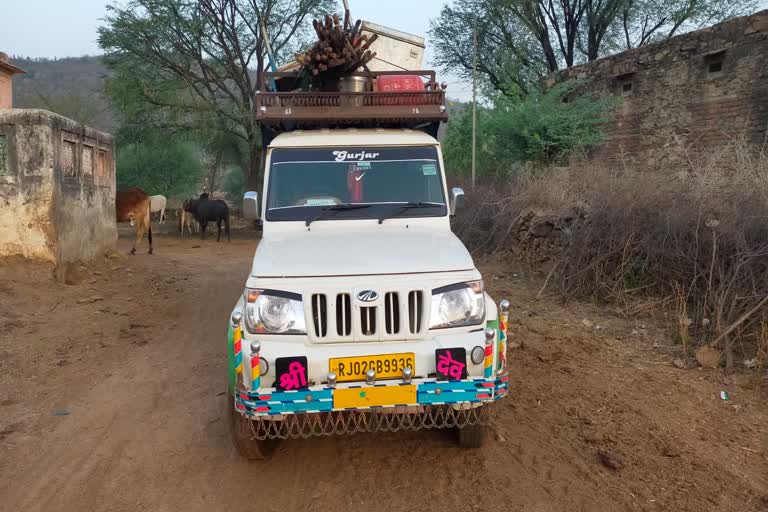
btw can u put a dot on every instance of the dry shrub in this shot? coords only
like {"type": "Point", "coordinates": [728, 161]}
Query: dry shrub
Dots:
{"type": "Point", "coordinates": [700, 234]}
{"type": "Point", "coordinates": [501, 214]}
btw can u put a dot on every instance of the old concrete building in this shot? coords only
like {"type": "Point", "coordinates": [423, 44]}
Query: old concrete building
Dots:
{"type": "Point", "coordinates": [57, 188]}
{"type": "Point", "coordinates": [7, 71]}
{"type": "Point", "coordinates": [694, 92]}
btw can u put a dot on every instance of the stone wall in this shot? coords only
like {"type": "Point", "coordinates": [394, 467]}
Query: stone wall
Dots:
{"type": "Point", "coordinates": [694, 91]}
{"type": "Point", "coordinates": [57, 188]}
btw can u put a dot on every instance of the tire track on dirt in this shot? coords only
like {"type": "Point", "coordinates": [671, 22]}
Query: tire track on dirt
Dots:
{"type": "Point", "coordinates": [148, 429]}
{"type": "Point", "coordinates": [141, 412]}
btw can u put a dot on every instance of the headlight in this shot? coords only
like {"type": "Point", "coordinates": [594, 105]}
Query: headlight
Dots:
{"type": "Point", "coordinates": [274, 312]}
{"type": "Point", "coordinates": [458, 305]}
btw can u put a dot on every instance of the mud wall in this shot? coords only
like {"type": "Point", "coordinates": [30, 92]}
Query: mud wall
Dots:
{"type": "Point", "coordinates": [26, 191]}
{"type": "Point", "coordinates": [59, 188]}
{"type": "Point", "coordinates": [84, 206]}
{"type": "Point", "coordinates": [695, 91]}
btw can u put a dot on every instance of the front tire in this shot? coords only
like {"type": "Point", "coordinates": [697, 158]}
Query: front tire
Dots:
{"type": "Point", "coordinates": [471, 436]}
{"type": "Point", "coordinates": [246, 445]}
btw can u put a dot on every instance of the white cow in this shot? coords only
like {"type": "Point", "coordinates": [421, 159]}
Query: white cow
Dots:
{"type": "Point", "coordinates": [158, 204]}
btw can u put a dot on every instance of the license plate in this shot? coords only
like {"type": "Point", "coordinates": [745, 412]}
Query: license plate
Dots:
{"type": "Point", "coordinates": [387, 366]}
{"type": "Point", "coordinates": [371, 396]}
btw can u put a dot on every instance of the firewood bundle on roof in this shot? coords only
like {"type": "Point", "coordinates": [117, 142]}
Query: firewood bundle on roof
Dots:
{"type": "Point", "coordinates": [341, 49]}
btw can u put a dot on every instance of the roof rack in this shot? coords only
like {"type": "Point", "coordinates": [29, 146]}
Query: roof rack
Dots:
{"type": "Point", "coordinates": [286, 110]}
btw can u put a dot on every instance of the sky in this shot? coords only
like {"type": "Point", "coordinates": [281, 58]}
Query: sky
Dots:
{"type": "Point", "coordinates": [67, 28]}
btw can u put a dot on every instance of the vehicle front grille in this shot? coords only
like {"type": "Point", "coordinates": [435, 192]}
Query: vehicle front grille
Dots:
{"type": "Point", "coordinates": [398, 315]}
{"type": "Point", "coordinates": [415, 311]}
{"type": "Point", "coordinates": [343, 314]}
{"type": "Point", "coordinates": [368, 321]}
{"type": "Point", "coordinates": [392, 313]}
{"type": "Point", "coordinates": [320, 314]}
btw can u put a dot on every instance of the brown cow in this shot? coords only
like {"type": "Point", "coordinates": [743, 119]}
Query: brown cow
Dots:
{"type": "Point", "coordinates": [186, 217]}
{"type": "Point", "coordinates": [133, 206]}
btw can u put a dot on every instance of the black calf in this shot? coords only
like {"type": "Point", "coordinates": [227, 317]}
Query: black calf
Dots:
{"type": "Point", "coordinates": [206, 210]}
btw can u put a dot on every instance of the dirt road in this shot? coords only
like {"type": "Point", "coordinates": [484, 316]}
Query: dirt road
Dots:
{"type": "Point", "coordinates": [112, 398]}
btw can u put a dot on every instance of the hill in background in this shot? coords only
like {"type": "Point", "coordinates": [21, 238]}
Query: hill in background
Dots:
{"type": "Point", "coordinates": [73, 86]}
{"type": "Point", "coordinates": [70, 86]}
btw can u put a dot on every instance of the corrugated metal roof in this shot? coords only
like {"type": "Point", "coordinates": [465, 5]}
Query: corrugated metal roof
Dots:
{"type": "Point", "coordinates": [10, 68]}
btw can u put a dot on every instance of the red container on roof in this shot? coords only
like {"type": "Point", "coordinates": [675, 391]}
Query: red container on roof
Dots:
{"type": "Point", "coordinates": [399, 83]}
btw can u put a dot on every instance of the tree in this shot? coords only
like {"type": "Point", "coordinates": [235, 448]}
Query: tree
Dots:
{"type": "Point", "coordinates": [548, 21]}
{"type": "Point", "coordinates": [540, 128]}
{"type": "Point", "coordinates": [158, 167]}
{"type": "Point", "coordinates": [213, 168]}
{"type": "Point", "coordinates": [233, 185]}
{"type": "Point", "coordinates": [521, 40]}
{"type": "Point", "coordinates": [649, 21]}
{"type": "Point", "coordinates": [75, 106]}
{"type": "Point", "coordinates": [457, 144]}
{"type": "Point", "coordinates": [179, 65]}
{"type": "Point", "coordinates": [547, 125]}
{"type": "Point", "coordinates": [507, 52]}
{"type": "Point", "coordinates": [601, 27]}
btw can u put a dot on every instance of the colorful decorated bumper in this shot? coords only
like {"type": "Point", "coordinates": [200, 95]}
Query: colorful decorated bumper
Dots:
{"type": "Point", "coordinates": [396, 396]}
{"type": "Point", "coordinates": [449, 387]}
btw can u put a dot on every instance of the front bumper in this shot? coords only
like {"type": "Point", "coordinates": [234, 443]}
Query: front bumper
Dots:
{"type": "Point", "coordinates": [256, 396]}
{"type": "Point", "coordinates": [468, 393]}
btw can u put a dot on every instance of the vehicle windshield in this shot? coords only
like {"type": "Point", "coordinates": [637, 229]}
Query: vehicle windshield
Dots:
{"type": "Point", "coordinates": [308, 184]}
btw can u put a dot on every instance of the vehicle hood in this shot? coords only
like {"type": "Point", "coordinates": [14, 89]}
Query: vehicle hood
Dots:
{"type": "Point", "coordinates": [359, 252]}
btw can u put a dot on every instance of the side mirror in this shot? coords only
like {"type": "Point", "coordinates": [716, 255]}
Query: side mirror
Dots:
{"type": "Point", "coordinates": [251, 206]}
{"type": "Point", "coordinates": [457, 199]}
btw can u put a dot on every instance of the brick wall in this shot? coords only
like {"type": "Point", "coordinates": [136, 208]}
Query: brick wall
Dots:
{"type": "Point", "coordinates": [698, 90]}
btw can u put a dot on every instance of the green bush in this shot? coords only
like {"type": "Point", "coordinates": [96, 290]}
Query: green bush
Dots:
{"type": "Point", "coordinates": [234, 185]}
{"type": "Point", "coordinates": [547, 126]}
{"type": "Point", "coordinates": [457, 144]}
{"type": "Point", "coordinates": [172, 169]}
{"type": "Point", "coordinates": [542, 128]}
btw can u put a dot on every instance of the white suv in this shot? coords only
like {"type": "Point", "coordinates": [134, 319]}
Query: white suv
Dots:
{"type": "Point", "coordinates": [363, 311]}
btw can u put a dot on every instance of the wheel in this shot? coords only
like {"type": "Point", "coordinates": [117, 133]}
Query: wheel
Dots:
{"type": "Point", "coordinates": [471, 436]}
{"type": "Point", "coordinates": [246, 445]}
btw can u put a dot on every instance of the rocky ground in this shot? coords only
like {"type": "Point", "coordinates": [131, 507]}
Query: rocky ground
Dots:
{"type": "Point", "coordinates": [112, 397]}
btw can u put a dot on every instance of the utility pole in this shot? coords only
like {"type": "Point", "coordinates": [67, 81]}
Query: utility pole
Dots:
{"type": "Point", "coordinates": [474, 101]}
{"type": "Point", "coordinates": [270, 53]}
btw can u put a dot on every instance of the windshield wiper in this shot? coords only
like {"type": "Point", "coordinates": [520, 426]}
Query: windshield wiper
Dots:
{"type": "Point", "coordinates": [409, 206]}
{"type": "Point", "coordinates": [335, 209]}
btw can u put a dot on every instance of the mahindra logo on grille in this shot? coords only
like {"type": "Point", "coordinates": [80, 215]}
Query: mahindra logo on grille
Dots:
{"type": "Point", "coordinates": [367, 296]}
